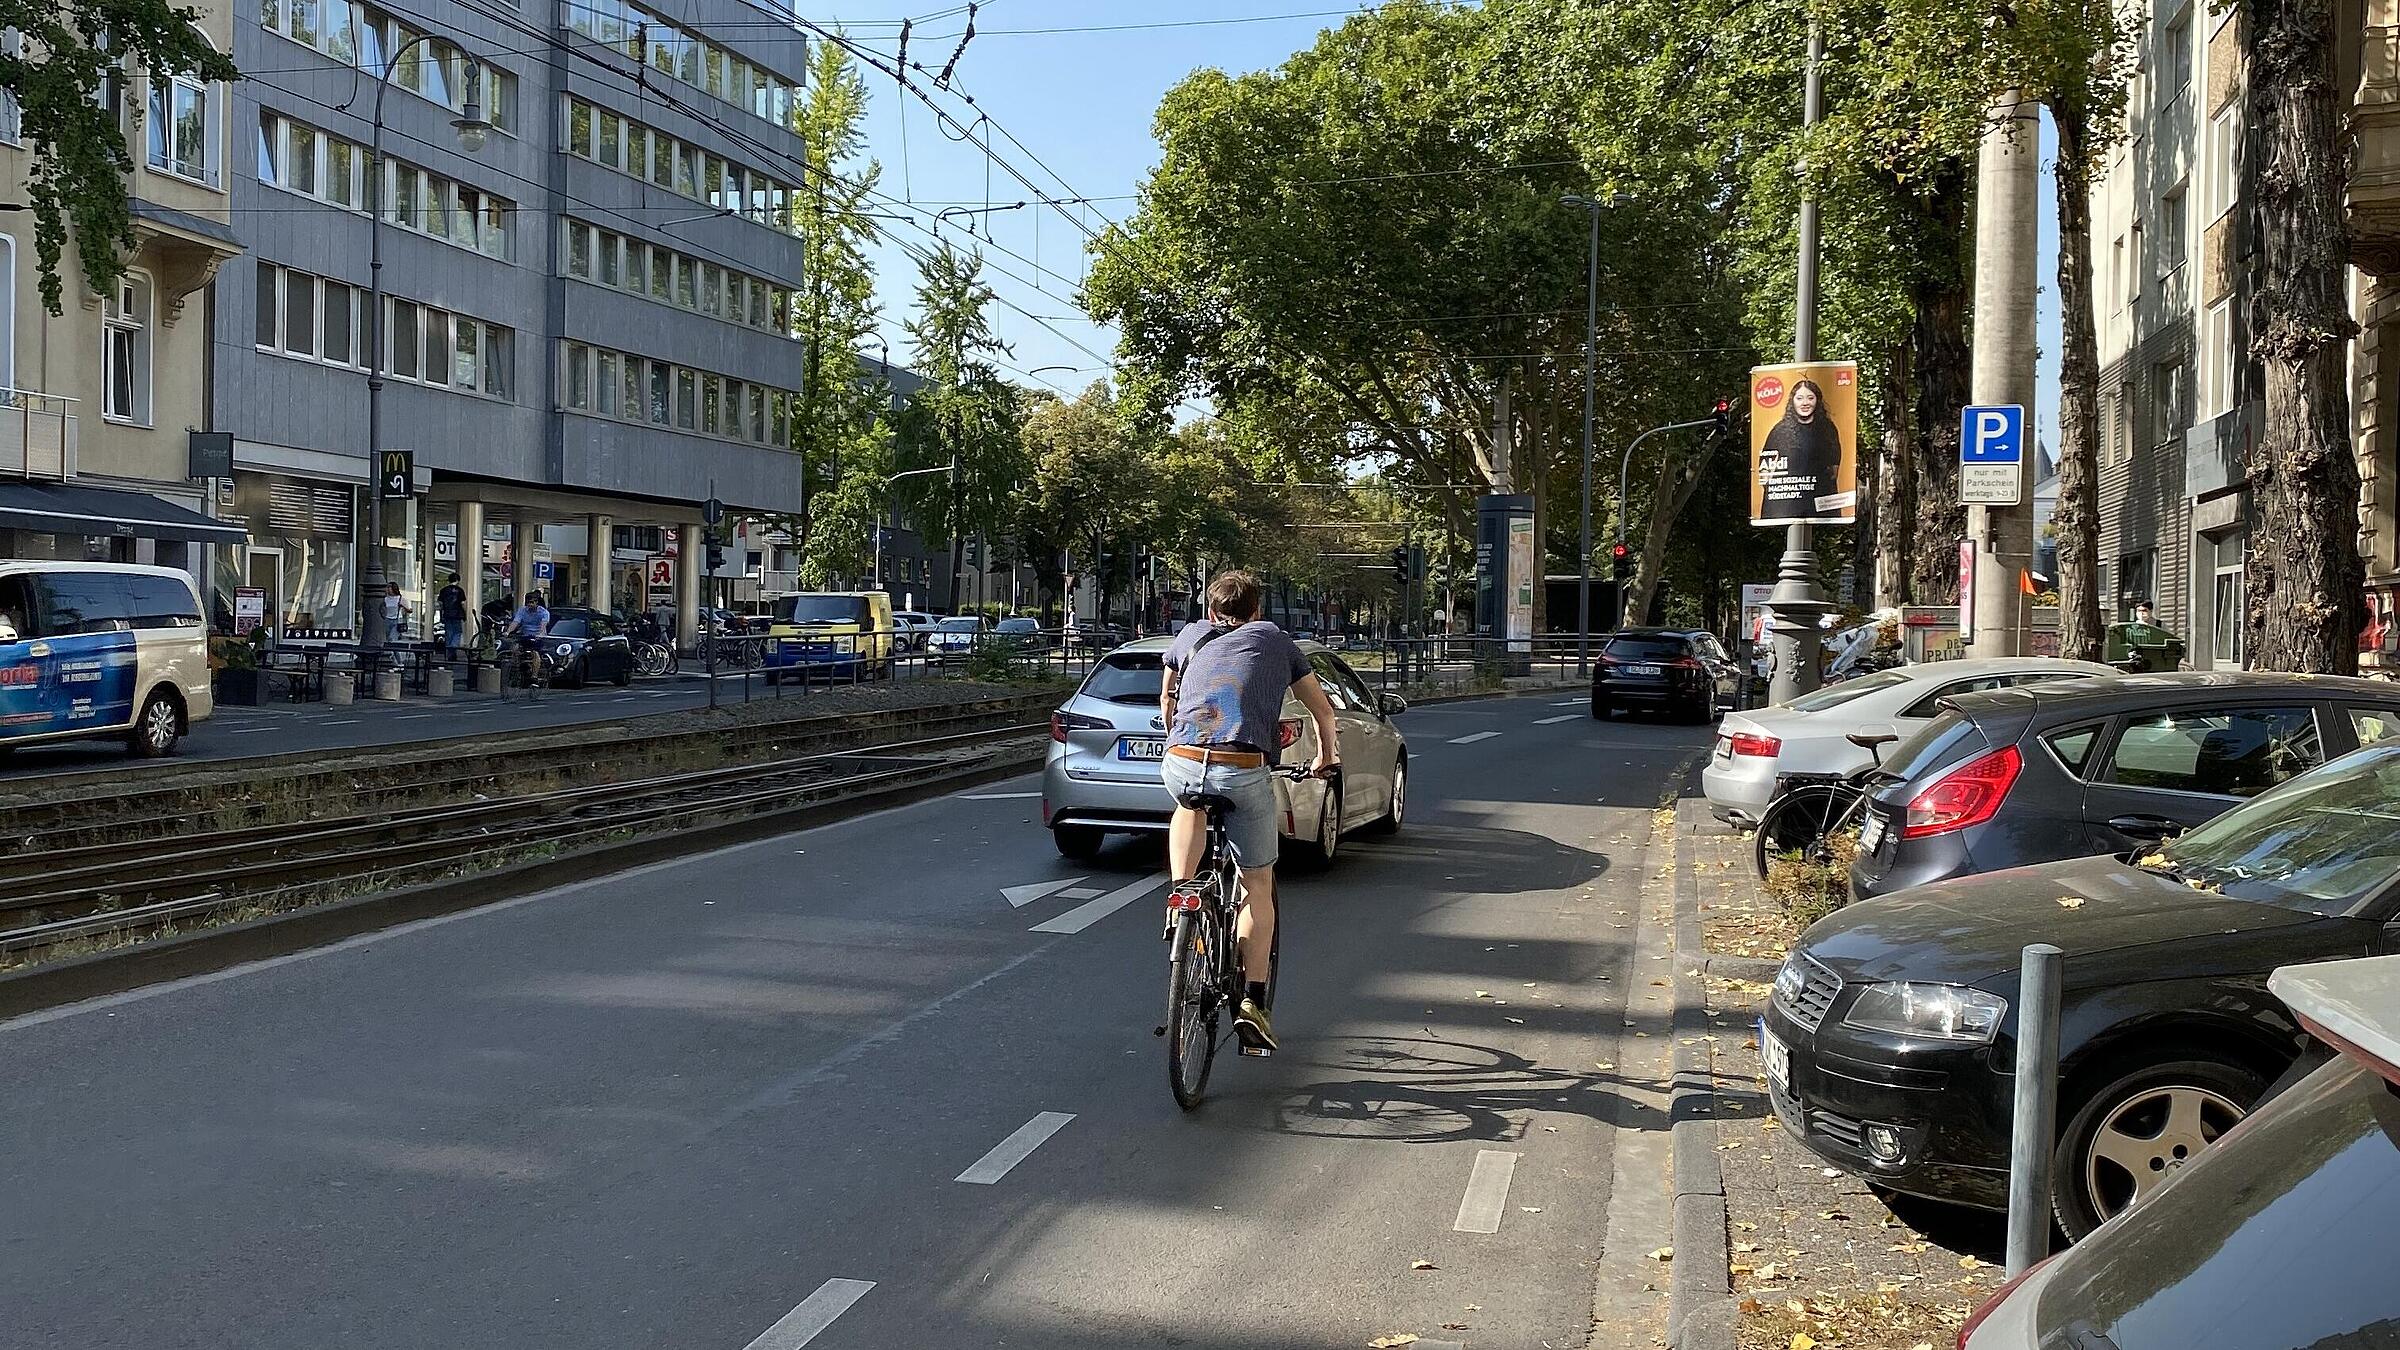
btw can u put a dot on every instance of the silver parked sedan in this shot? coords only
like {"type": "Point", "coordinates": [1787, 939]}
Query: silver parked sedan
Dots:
{"type": "Point", "coordinates": [1106, 742]}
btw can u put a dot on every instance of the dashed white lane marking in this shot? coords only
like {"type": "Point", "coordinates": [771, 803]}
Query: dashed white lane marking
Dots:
{"type": "Point", "coordinates": [1016, 1148]}
{"type": "Point", "coordinates": [1091, 912]}
{"type": "Point", "coordinates": [1486, 1199]}
{"type": "Point", "coordinates": [1554, 721]}
{"type": "Point", "coordinates": [247, 731]}
{"type": "Point", "coordinates": [997, 796]}
{"type": "Point", "coordinates": [1568, 703]}
{"type": "Point", "coordinates": [339, 722]}
{"type": "Point", "coordinates": [1437, 1345]}
{"type": "Point", "coordinates": [1473, 737]}
{"type": "Point", "coordinates": [414, 717]}
{"type": "Point", "coordinates": [815, 1313]}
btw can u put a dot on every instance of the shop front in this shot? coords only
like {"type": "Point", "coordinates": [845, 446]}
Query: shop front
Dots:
{"type": "Point", "coordinates": [78, 522]}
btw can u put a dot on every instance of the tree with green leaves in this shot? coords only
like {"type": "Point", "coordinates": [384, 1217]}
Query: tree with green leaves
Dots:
{"type": "Point", "coordinates": [839, 420]}
{"type": "Point", "coordinates": [68, 53]}
{"type": "Point", "coordinates": [963, 415]}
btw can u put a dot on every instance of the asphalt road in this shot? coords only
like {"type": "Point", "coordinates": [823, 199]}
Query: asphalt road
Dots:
{"type": "Point", "coordinates": [836, 1090]}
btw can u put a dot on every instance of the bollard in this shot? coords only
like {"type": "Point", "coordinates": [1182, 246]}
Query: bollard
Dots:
{"type": "Point", "coordinates": [387, 686]}
{"type": "Point", "coordinates": [487, 679]}
{"type": "Point", "coordinates": [341, 687]}
{"type": "Point", "coordinates": [2035, 1120]}
{"type": "Point", "coordinates": [437, 682]}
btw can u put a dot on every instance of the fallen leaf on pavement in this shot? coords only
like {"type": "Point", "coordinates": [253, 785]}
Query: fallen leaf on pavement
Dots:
{"type": "Point", "coordinates": [1771, 1270]}
{"type": "Point", "coordinates": [1802, 1341]}
{"type": "Point", "coordinates": [1969, 1263]}
{"type": "Point", "coordinates": [1602, 1064]}
{"type": "Point", "coordinates": [1745, 1225]}
{"type": "Point", "coordinates": [1518, 1020]}
{"type": "Point", "coordinates": [1483, 993]}
{"type": "Point", "coordinates": [1387, 1342]}
{"type": "Point", "coordinates": [1745, 1246]}
{"type": "Point", "coordinates": [1662, 1254]}
{"type": "Point", "coordinates": [2069, 902]}
{"type": "Point", "coordinates": [1454, 1326]}
{"type": "Point", "coordinates": [1423, 1265]}
{"type": "Point", "coordinates": [1531, 1209]}
{"type": "Point", "coordinates": [1906, 1247]}
{"type": "Point", "coordinates": [1833, 1214]}
{"type": "Point", "coordinates": [1752, 1307]}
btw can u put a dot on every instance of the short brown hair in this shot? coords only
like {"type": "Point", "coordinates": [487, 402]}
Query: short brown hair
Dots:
{"type": "Point", "coordinates": [1235, 595]}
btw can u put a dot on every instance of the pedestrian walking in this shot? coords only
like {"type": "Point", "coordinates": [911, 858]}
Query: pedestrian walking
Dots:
{"type": "Point", "coordinates": [396, 610]}
{"type": "Point", "coordinates": [452, 605]}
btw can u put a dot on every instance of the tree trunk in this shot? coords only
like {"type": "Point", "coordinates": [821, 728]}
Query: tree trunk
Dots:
{"type": "Point", "coordinates": [1893, 536]}
{"type": "Point", "coordinates": [2075, 525]}
{"type": "Point", "coordinates": [2306, 581]}
{"type": "Point", "coordinates": [1943, 382]}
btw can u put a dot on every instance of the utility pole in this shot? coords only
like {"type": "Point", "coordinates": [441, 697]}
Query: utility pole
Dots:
{"type": "Point", "coordinates": [2007, 204]}
{"type": "Point", "coordinates": [1591, 345]}
{"type": "Point", "coordinates": [1797, 604]}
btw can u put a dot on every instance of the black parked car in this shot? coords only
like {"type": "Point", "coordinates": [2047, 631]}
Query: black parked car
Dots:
{"type": "Point", "coordinates": [1676, 671]}
{"type": "Point", "coordinates": [2099, 766]}
{"type": "Point", "coordinates": [585, 645]}
{"type": "Point", "coordinates": [1889, 1037]}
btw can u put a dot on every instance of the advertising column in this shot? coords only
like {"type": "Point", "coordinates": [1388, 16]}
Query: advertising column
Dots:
{"type": "Point", "coordinates": [1504, 578]}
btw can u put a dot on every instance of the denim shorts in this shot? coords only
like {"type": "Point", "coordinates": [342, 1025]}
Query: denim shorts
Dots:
{"type": "Point", "coordinates": [1251, 826]}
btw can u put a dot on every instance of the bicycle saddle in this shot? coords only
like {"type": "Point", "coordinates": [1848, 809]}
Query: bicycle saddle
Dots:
{"type": "Point", "coordinates": [1207, 801]}
{"type": "Point", "coordinates": [1869, 740]}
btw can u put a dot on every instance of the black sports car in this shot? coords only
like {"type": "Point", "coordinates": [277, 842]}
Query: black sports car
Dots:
{"type": "Point", "coordinates": [1888, 1039]}
{"type": "Point", "coordinates": [584, 645]}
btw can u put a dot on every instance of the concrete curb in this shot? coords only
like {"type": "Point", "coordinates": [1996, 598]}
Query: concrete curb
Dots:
{"type": "Point", "coordinates": [207, 950]}
{"type": "Point", "coordinates": [1700, 1311]}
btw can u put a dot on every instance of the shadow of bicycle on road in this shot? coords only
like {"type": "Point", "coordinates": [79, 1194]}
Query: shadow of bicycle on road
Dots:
{"type": "Point", "coordinates": [1425, 1090]}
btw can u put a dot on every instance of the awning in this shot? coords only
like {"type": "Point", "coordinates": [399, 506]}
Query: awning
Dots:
{"type": "Point", "coordinates": [65, 508]}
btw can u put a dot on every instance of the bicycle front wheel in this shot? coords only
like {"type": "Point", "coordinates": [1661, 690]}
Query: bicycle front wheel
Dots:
{"type": "Point", "coordinates": [1191, 1016]}
{"type": "Point", "coordinates": [1797, 821]}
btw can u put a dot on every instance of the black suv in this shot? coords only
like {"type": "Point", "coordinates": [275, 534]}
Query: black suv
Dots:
{"type": "Point", "coordinates": [1677, 671]}
{"type": "Point", "coordinates": [2103, 765]}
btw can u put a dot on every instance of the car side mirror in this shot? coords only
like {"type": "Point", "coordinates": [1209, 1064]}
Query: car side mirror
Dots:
{"type": "Point", "coordinates": [1392, 704]}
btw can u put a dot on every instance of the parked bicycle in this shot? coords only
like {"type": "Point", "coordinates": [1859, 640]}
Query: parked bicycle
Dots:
{"type": "Point", "coordinates": [1807, 816]}
{"type": "Point", "coordinates": [653, 647]}
{"type": "Point", "coordinates": [1204, 971]}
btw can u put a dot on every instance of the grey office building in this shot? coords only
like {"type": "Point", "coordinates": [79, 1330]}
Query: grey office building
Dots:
{"type": "Point", "coordinates": [585, 315]}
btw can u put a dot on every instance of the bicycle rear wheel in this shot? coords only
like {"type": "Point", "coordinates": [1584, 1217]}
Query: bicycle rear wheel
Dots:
{"type": "Point", "coordinates": [1191, 1010]}
{"type": "Point", "coordinates": [1797, 821]}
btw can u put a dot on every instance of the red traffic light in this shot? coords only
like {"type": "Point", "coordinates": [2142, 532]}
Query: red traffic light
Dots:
{"type": "Point", "coordinates": [1621, 551]}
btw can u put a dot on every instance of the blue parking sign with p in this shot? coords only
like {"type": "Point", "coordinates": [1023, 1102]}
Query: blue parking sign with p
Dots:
{"type": "Point", "coordinates": [1991, 454]}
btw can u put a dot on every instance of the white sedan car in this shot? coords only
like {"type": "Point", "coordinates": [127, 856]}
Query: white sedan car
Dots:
{"type": "Point", "coordinates": [1758, 752]}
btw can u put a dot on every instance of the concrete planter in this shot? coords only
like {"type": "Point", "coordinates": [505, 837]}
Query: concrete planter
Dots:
{"type": "Point", "coordinates": [387, 686]}
{"type": "Point", "coordinates": [487, 679]}
{"type": "Point", "coordinates": [437, 682]}
{"type": "Point", "coordinates": [341, 688]}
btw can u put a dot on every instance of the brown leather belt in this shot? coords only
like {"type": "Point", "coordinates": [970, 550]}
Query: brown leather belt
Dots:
{"type": "Point", "coordinates": [1209, 754]}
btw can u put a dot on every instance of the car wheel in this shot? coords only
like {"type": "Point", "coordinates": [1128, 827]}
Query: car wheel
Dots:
{"type": "Point", "coordinates": [1320, 852]}
{"type": "Point", "coordinates": [157, 730]}
{"type": "Point", "coordinates": [1080, 842]}
{"type": "Point", "coordinates": [1396, 812]}
{"type": "Point", "coordinates": [1600, 708]}
{"type": "Point", "coordinates": [2139, 1129]}
{"type": "Point", "coordinates": [624, 675]}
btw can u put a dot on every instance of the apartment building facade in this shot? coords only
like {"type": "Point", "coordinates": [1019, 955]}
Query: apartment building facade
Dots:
{"type": "Point", "coordinates": [98, 403]}
{"type": "Point", "coordinates": [2172, 264]}
{"type": "Point", "coordinates": [584, 314]}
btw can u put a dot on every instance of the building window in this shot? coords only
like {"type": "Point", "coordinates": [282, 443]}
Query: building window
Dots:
{"type": "Point", "coordinates": [358, 34]}
{"type": "Point", "coordinates": [183, 128]}
{"type": "Point", "coordinates": [642, 36]}
{"type": "Point", "coordinates": [2170, 234]}
{"type": "Point", "coordinates": [300, 314]}
{"type": "Point", "coordinates": [323, 167]}
{"type": "Point", "coordinates": [2216, 357]}
{"type": "Point", "coordinates": [12, 43]}
{"type": "Point", "coordinates": [2224, 160]}
{"type": "Point", "coordinates": [2136, 573]}
{"type": "Point", "coordinates": [619, 384]}
{"type": "Point", "coordinates": [8, 314]}
{"type": "Point", "coordinates": [2174, 78]}
{"type": "Point", "coordinates": [2225, 618]}
{"type": "Point", "coordinates": [596, 135]}
{"type": "Point", "coordinates": [125, 343]}
{"type": "Point", "coordinates": [2170, 402]}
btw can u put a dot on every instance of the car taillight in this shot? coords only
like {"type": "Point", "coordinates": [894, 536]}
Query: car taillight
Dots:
{"type": "Point", "coordinates": [1985, 1309]}
{"type": "Point", "coordinates": [1757, 744]}
{"type": "Point", "coordinates": [1063, 722]}
{"type": "Point", "coordinates": [1287, 733]}
{"type": "Point", "coordinates": [1967, 795]}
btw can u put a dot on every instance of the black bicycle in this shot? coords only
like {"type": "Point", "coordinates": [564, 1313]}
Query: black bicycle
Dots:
{"type": "Point", "coordinates": [1805, 817]}
{"type": "Point", "coordinates": [1204, 972]}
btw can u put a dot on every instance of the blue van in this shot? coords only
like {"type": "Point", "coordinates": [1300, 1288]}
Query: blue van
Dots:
{"type": "Point", "coordinates": [100, 650]}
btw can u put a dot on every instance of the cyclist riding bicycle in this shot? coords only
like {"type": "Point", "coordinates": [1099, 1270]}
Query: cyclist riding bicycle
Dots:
{"type": "Point", "coordinates": [1223, 700]}
{"type": "Point", "coordinates": [525, 629]}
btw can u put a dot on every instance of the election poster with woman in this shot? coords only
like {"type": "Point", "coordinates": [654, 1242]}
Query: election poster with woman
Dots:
{"type": "Point", "coordinates": [1804, 443]}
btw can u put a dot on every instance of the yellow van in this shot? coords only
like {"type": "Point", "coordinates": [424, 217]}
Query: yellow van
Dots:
{"type": "Point", "coordinates": [840, 632]}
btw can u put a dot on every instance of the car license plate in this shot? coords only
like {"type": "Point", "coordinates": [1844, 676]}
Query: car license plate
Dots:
{"type": "Point", "coordinates": [1870, 836]}
{"type": "Point", "coordinates": [1639, 670]}
{"type": "Point", "coordinates": [1142, 747]}
{"type": "Point", "coordinates": [1778, 1058]}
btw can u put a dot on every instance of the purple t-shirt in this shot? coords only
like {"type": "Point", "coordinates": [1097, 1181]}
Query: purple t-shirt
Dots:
{"type": "Point", "coordinates": [1229, 691]}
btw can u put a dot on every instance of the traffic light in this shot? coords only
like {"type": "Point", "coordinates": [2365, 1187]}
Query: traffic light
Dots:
{"type": "Point", "coordinates": [716, 557]}
{"type": "Point", "coordinates": [1400, 561]}
{"type": "Point", "coordinates": [1622, 557]}
{"type": "Point", "coordinates": [1721, 417]}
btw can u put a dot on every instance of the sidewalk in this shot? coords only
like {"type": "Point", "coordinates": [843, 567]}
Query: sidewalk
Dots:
{"type": "Point", "coordinates": [1774, 1249]}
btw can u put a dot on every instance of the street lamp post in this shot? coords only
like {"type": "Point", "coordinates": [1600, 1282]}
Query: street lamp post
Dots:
{"type": "Point", "coordinates": [1624, 477]}
{"type": "Point", "coordinates": [1591, 343]}
{"type": "Point", "coordinates": [889, 511]}
{"type": "Point", "coordinates": [471, 126]}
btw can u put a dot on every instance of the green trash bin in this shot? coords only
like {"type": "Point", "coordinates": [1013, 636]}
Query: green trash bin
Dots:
{"type": "Point", "coordinates": [2142, 647]}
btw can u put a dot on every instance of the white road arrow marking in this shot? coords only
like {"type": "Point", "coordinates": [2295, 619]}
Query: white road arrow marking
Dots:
{"type": "Point", "coordinates": [1021, 896]}
{"type": "Point", "coordinates": [1093, 911]}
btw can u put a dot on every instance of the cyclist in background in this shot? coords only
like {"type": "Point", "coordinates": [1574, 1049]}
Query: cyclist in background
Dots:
{"type": "Point", "coordinates": [1223, 699]}
{"type": "Point", "coordinates": [525, 629]}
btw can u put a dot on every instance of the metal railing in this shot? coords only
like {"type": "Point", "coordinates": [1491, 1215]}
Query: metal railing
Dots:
{"type": "Point", "coordinates": [39, 435]}
{"type": "Point", "coordinates": [770, 665]}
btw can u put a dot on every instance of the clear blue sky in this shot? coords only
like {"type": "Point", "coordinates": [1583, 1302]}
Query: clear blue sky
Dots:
{"type": "Point", "coordinates": [1079, 106]}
